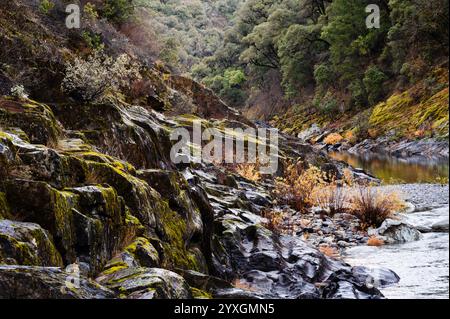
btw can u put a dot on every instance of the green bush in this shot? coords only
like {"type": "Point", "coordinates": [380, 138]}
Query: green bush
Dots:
{"type": "Point", "coordinates": [118, 11]}
{"type": "Point", "coordinates": [373, 83]}
{"type": "Point", "coordinates": [92, 40]}
{"type": "Point", "coordinates": [327, 104]}
{"type": "Point", "coordinates": [358, 93]}
{"type": "Point", "coordinates": [323, 74]}
{"type": "Point", "coordinates": [45, 6]}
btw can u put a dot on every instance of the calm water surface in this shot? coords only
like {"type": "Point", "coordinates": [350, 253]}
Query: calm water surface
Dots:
{"type": "Point", "coordinates": [393, 170]}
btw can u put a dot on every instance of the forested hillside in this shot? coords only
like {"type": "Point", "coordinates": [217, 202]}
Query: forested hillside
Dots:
{"type": "Point", "coordinates": [183, 32]}
{"type": "Point", "coordinates": [319, 62]}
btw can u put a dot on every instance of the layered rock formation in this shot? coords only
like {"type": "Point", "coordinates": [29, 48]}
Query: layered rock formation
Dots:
{"type": "Point", "coordinates": [91, 188]}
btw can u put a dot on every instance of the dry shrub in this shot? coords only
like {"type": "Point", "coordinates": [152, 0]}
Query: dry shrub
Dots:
{"type": "Point", "coordinates": [333, 138]}
{"type": "Point", "coordinates": [350, 137]}
{"type": "Point", "coordinates": [373, 207]}
{"type": "Point", "coordinates": [332, 198]}
{"type": "Point", "coordinates": [296, 189]}
{"type": "Point", "coordinates": [275, 220]}
{"type": "Point", "coordinates": [329, 252]}
{"type": "Point", "coordinates": [375, 241]}
{"type": "Point", "coordinates": [248, 171]}
{"type": "Point", "coordinates": [90, 79]}
{"type": "Point", "coordinates": [348, 177]}
{"type": "Point", "coordinates": [240, 284]}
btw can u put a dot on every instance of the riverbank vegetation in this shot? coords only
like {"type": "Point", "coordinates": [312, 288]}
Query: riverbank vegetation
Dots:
{"type": "Point", "coordinates": [303, 189]}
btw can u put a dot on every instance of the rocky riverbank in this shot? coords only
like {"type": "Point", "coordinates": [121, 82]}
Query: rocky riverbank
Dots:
{"type": "Point", "coordinates": [424, 148]}
{"type": "Point", "coordinates": [343, 230]}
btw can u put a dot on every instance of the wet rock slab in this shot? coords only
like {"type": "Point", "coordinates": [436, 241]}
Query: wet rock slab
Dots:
{"type": "Point", "coordinates": [24, 282]}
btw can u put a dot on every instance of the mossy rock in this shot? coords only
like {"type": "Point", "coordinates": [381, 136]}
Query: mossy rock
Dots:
{"type": "Point", "coordinates": [200, 294]}
{"type": "Point", "coordinates": [146, 283]}
{"type": "Point", "coordinates": [89, 223]}
{"type": "Point", "coordinates": [27, 244]}
{"type": "Point", "coordinates": [25, 282]}
{"type": "Point", "coordinates": [4, 207]}
{"type": "Point", "coordinates": [128, 132]}
{"type": "Point", "coordinates": [35, 119]}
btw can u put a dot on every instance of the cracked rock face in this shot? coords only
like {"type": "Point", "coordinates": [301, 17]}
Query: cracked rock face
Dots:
{"type": "Point", "coordinates": [93, 185]}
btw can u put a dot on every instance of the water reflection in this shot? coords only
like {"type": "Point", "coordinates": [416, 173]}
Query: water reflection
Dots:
{"type": "Point", "coordinates": [393, 170]}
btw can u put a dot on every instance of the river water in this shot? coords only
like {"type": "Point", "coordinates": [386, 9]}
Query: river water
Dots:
{"type": "Point", "coordinates": [423, 265]}
{"type": "Point", "coordinates": [392, 170]}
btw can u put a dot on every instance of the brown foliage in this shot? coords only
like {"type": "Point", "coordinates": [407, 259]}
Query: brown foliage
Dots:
{"type": "Point", "coordinates": [375, 241]}
{"type": "Point", "coordinates": [274, 220]}
{"type": "Point", "coordinates": [248, 171]}
{"type": "Point", "coordinates": [329, 252]}
{"type": "Point", "coordinates": [373, 207]}
{"type": "Point", "coordinates": [333, 138]}
{"type": "Point", "coordinates": [296, 188]}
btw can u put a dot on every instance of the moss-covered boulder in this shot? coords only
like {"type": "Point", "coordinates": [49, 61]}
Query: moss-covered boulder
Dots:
{"type": "Point", "coordinates": [90, 224]}
{"type": "Point", "coordinates": [128, 132]}
{"type": "Point", "coordinates": [27, 244]}
{"type": "Point", "coordinates": [140, 253]}
{"type": "Point", "coordinates": [35, 119]}
{"type": "Point", "coordinates": [24, 282]}
{"type": "Point", "coordinates": [182, 222]}
{"type": "Point", "coordinates": [4, 206]}
{"type": "Point", "coordinates": [146, 283]}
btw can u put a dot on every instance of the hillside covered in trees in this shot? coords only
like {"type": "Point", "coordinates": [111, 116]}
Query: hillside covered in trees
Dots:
{"type": "Point", "coordinates": [319, 61]}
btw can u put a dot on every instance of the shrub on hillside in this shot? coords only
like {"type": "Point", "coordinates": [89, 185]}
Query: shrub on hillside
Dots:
{"type": "Point", "coordinates": [118, 11]}
{"type": "Point", "coordinates": [90, 79]}
{"type": "Point", "coordinates": [373, 82]}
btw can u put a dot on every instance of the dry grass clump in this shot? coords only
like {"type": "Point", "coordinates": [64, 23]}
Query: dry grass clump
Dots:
{"type": "Point", "coordinates": [248, 171]}
{"type": "Point", "coordinates": [278, 221]}
{"type": "Point", "coordinates": [332, 198]}
{"type": "Point", "coordinates": [333, 139]}
{"type": "Point", "coordinates": [375, 241]}
{"type": "Point", "coordinates": [373, 207]}
{"type": "Point", "coordinates": [329, 252]}
{"type": "Point", "coordinates": [296, 189]}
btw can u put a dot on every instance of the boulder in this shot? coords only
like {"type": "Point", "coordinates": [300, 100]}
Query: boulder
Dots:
{"type": "Point", "coordinates": [35, 119]}
{"type": "Point", "coordinates": [140, 253]}
{"type": "Point", "coordinates": [24, 282]}
{"type": "Point", "coordinates": [343, 284]}
{"type": "Point", "coordinates": [146, 283]}
{"type": "Point", "coordinates": [396, 231]}
{"type": "Point", "coordinates": [27, 244]}
{"type": "Point", "coordinates": [309, 133]}
{"type": "Point", "coordinates": [87, 223]}
{"type": "Point", "coordinates": [441, 226]}
{"type": "Point", "coordinates": [376, 277]}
